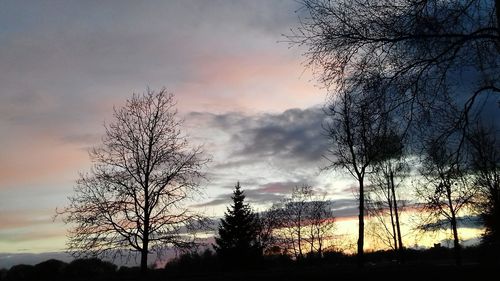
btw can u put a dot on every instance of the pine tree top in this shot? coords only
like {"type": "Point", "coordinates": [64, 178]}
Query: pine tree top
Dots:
{"type": "Point", "coordinates": [238, 229]}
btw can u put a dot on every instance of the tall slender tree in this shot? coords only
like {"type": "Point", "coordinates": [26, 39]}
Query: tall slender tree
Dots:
{"type": "Point", "coordinates": [485, 167]}
{"type": "Point", "coordinates": [446, 191]}
{"type": "Point", "coordinates": [238, 234]}
{"type": "Point", "coordinates": [355, 124]}
{"type": "Point", "coordinates": [389, 169]}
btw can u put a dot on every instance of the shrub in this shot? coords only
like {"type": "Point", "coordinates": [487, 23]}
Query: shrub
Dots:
{"type": "Point", "coordinates": [89, 268]}
{"type": "Point", "coordinates": [20, 272]}
{"type": "Point", "coordinates": [49, 269]}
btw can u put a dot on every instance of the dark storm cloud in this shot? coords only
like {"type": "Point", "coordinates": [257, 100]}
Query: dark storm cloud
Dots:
{"type": "Point", "coordinates": [295, 134]}
{"type": "Point", "coordinates": [269, 154]}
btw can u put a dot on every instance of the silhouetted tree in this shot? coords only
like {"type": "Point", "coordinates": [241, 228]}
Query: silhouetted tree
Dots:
{"type": "Point", "coordinates": [389, 169]}
{"type": "Point", "coordinates": [419, 48]}
{"type": "Point", "coordinates": [89, 268]}
{"type": "Point", "coordinates": [321, 225]}
{"type": "Point", "coordinates": [238, 231]}
{"type": "Point", "coordinates": [303, 221]}
{"type": "Point", "coordinates": [21, 272]}
{"type": "Point", "coordinates": [50, 269]}
{"type": "Point", "coordinates": [133, 198]}
{"type": "Point", "coordinates": [485, 168]}
{"type": "Point", "coordinates": [356, 120]}
{"type": "Point", "coordinates": [268, 222]}
{"type": "Point", "coordinates": [445, 191]}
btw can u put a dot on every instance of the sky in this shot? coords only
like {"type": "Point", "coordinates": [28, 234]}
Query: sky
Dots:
{"type": "Point", "coordinates": [240, 87]}
{"type": "Point", "coordinates": [243, 92]}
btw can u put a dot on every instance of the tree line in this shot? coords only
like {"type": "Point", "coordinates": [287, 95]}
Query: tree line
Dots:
{"type": "Point", "coordinates": [133, 200]}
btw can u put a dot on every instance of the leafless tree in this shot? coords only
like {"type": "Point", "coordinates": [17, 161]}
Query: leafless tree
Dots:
{"type": "Point", "coordinates": [269, 221]}
{"type": "Point", "coordinates": [485, 169]}
{"type": "Point", "coordinates": [389, 170]}
{"type": "Point", "coordinates": [133, 199]}
{"type": "Point", "coordinates": [303, 222]}
{"type": "Point", "coordinates": [321, 225]}
{"type": "Point", "coordinates": [445, 191]}
{"type": "Point", "coordinates": [421, 49]}
{"type": "Point", "coordinates": [417, 50]}
{"type": "Point", "coordinates": [295, 212]}
{"type": "Point", "coordinates": [355, 124]}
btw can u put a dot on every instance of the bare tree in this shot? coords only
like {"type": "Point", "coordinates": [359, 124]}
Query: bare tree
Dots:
{"type": "Point", "coordinates": [389, 170]}
{"type": "Point", "coordinates": [133, 198]}
{"type": "Point", "coordinates": [419, 48]}
{"type": "Point", "coordinates": [485, 169]}
{"type": "Point", "coordinates": [295, 213]}
{"type": "Point", "coordinates": [321, 225]}
{"type": "Point", "coordinates": [302, 222]}
{"type": "Point", "coordinates": [356, 121]}
{"type": "Point", "coordinates": [445, 192]}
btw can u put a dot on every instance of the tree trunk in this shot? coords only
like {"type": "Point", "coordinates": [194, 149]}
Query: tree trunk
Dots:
{"type": "Point", "coordinates": [299, 236]}
{"type": "Point", "coordinates": [396, 213]}
{"type": "Point", "coordinates": [391, 214]}
{"type": "Point", "coordinates": [145, 249]}
{"type": "Point", "coordinates": [456, 242]}
{"type": "Point", "coordinates": [145, 237]}
{"type": "Point", "coordinates": [320, 246]}
{"type": "Point", "coordinates": [361, 233]}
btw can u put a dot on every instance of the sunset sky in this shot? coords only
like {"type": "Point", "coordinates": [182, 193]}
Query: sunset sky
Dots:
{"type": "Point", "coordinates": [242, 91]}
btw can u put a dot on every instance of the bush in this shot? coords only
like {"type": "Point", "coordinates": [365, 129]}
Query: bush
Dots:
{"type": "Point", "coordinates": [49, 269]}
{"type": "Point", "coordinates": [205, 261]}
{"type": "Point", "coordinates": [3, 273]}
{"type": "Point", "coordinates": [21, 272]}
{"type": "Point", "coordinates": [89, 268]}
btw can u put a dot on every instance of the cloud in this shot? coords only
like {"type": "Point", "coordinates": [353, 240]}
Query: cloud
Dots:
{"type": "Point", "coordinates": [269, 153]}
{"type": "Point", "coordinates": [294, 135]}
{"type": "Point", "coordinates": [64, 67]}
{"type": "Point", "coordinates": [474, 222]}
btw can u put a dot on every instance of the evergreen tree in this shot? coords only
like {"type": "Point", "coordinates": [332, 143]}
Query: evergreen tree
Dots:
{"type": "Point", "coordinates": [238, 230]}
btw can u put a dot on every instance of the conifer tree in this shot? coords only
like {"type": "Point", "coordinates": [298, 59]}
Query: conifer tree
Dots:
{"type": "Point", "coordinates": [238, 230]}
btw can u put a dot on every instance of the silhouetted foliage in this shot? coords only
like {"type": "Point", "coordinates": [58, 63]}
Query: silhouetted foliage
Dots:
{"type": "Point", "coordinates": [21, 272]}
{"type": "Point", "coordinates": [485, 167]}
{"type": "Point", "coordinates": [357, 119]}
{"type": "Point", "coordinates": [384, 202]}
{"type": "Point", "coordinates": [415, 54]}
{"type": "Point", "coordinates": [89, 268]}
{"type": "Point", "coordinates": [419, 50]}
{"type": "Point", "coordinates": [133, 199]}
{"type": "Point", "coordinates": [436, 262]}
{"type": "Point", "coordinates": [50, 269]}
{"type": "Point", "coordinates": [3, 273]}
{"type": "Point", "coordinates": [445, 191]}
{"type": "Point", "coordinates": [303, 223]}
{"type": "Point", "coordinates": [238, 234]}
{"type": "Point", "coordinates": [204, 262]}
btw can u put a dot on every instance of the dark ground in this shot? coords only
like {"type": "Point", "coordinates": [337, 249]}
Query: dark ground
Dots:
{"type": "Point", "coordinates": [434, 264]}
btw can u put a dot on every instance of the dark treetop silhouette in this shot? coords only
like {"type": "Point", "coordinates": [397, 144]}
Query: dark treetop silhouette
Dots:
{"type": "Point", "coordinates": [238, 230]}
{"type": "Point", "coordinates": [132, 199]}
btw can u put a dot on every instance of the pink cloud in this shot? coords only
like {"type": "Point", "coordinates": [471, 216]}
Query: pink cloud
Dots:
{"type": "Point", "coordinates": [252, 82]}
{"type": "Point", "coordinates": [38, 159]}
